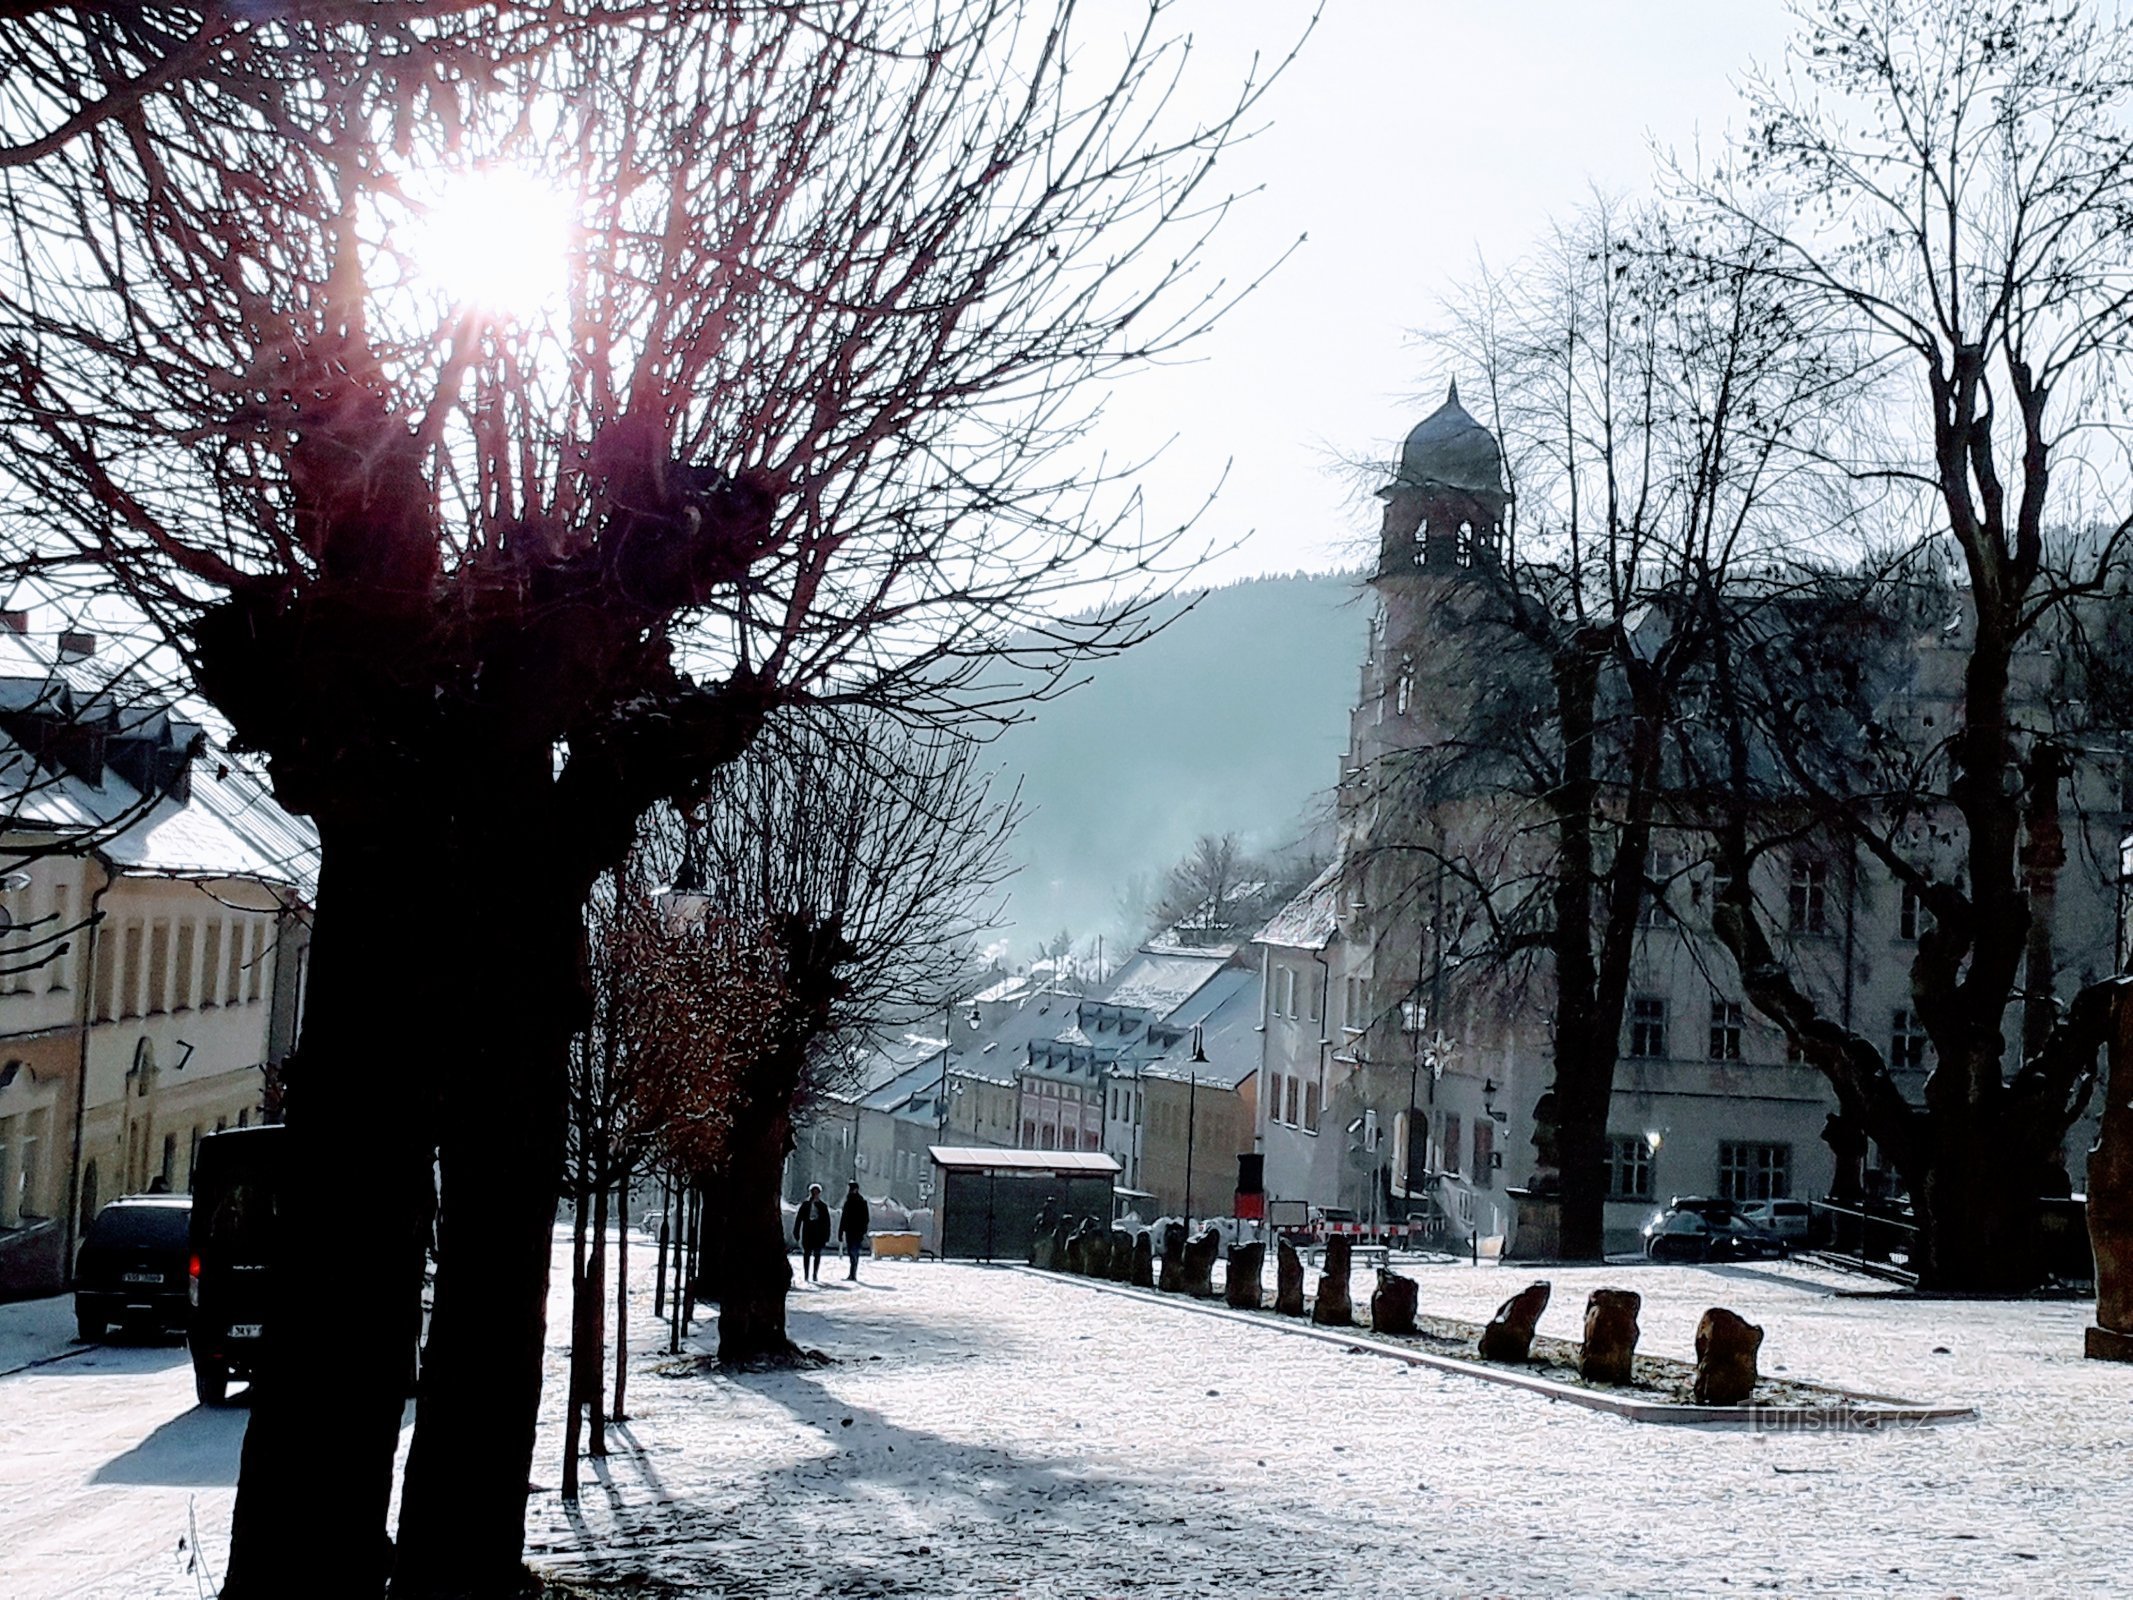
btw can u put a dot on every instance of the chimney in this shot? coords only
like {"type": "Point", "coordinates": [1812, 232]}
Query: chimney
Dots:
{"type": "Point", "coordinates": [75, 645]}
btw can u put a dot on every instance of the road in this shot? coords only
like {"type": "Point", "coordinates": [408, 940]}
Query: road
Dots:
{"type": "Point", "coordinates": [106, 1465]}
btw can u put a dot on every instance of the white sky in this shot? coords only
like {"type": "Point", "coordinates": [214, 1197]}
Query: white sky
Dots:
{"type": "Point", "coordinates": [1410, 135]}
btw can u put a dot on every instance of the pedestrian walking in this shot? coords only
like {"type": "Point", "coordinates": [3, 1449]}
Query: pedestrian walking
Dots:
{"type": "Point", "coordinates": [852, 1226]}
{"type": "Point", "coordinates": [812, 1228]}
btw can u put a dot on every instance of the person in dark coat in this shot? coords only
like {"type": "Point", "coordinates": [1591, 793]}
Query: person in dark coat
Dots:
{"type": "Point", "coordinates": [812, 1228]}
{"type": "Point", "coordinates": [852, 1226]}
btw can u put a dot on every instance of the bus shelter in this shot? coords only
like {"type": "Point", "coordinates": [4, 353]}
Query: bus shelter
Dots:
{"type": "Point", "coordinates": [990, 1199]}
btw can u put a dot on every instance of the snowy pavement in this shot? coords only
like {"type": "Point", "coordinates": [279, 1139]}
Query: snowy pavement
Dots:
{"type": "Point", "coordinates": [989, 1431]}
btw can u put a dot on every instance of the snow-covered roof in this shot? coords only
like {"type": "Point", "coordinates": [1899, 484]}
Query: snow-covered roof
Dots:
{"type": "Point", "coordinates": [1227, 1015]}
{"type": "Point", "coordinates": [1162, 980]}
{"type": "Point", "coordinates": [977, 1158]}
{"type": "Point", "coordinates": [222, 822]}
{"type": "Point", "coordinates": [1312, 919]}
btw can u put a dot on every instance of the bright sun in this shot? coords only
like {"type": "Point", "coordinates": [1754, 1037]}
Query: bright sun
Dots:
{"type": "Point", "coordinates": [493, 237]}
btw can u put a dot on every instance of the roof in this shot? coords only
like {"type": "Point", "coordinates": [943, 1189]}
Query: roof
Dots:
{"type": "Point", "coordinates": [1229, 1035]}
{"type": "Point", "coordinates": [1067, 1163]}
{"type": "Point", "coordinates": [1162, 980]}
{"type": "Point", "coordinates": [1311, 921]}
{"type": "Point", "coordinates": [1448, 449]}
{"type": "Point", "coordinates": [226, 825]}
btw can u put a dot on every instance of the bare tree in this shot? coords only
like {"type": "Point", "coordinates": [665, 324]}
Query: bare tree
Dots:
{"type": "Point", "coordinates": [1644, 425]}
{"type": "Point", "coordinates": [1948, 193]}
{"type": "Point", "coordinates": [869, 860]}
{"type": "Point", "coordinates": [1220, 893]}
{"type": "Point", "coordinates": [483, 586]}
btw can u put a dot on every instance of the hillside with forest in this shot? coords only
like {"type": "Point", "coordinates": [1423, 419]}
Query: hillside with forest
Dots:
{"type": "Point", "coordinates": [1231, 720]}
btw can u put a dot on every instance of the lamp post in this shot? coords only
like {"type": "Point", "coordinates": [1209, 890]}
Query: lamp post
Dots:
{"type": "Point", "coordinates": [1192, 1102]}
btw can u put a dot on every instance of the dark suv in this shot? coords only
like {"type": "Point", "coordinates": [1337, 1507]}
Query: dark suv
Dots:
{"type": "Point", "coordinates": [132, 1267]}
{"type": "Point", "coordinates": [236, 1210]}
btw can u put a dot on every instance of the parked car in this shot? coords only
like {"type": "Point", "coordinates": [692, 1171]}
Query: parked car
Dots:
{"type": "Point", "coordinates": [132, 1267]}
{"type": "Point", "coordinates": [1714, 1233]}
{"type": "Point", "coordinates": [236, 1212]}
{"type": "Point", "coordinates": [1793, 1221]}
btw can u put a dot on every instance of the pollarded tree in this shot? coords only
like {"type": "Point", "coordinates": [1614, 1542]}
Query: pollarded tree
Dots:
{"type": "Point", "coordinates": [1948, 191]}
{"type": "Point", "coordinates": [484, 583]}
{"type": "Point", "coordinates": [868, 861]}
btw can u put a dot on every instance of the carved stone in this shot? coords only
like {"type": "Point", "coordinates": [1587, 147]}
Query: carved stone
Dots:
{"type": "Point", "coordinates": [1393, 1302]}
{"type": "Point", "coordinates": [1096, 1250]}
{"type": "Point", "coordinates": [1288, 1280]}
{"type": "Point", "coordinates": [1333, 1307]}
{"type": "Point", "coordinates": [2110, 1205]}
{"type": "Point", "coordinates": [1173, 1279]}
{"type": "Point", "coordinates": [1245, 1288]}
{"type": "Point", "coordinates": [1144, 1260]}
{"type": "Point", "coordinates": [1726, 1345]}
{"type": "Point", "coordinates": [1609, 1352]}
{"type": "Point", "coordinates": [1042, 1233]}
{"type": "Point", "coordinates": [1509, 1335]}
{"type": "Point", "coordinates": [1121, 1254]}
{"type": "Point", "coordinates": [1199, 1264]}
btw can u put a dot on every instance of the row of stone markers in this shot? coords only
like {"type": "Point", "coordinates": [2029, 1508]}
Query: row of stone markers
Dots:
{"type": "Point", "coordinates": [1726, 1344]}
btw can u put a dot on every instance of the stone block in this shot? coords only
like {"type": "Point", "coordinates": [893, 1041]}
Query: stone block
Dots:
{"type": "Point", "coordinates": [1393, 1303]}
{"type": "Point", "coordinates": [1509, 1335]}
{"type": "Point", "coordinates": [1726, 1346]}
{"type": "Point", "coordinates": [1608, 1354]}
{"type": "Point", "coordinates": [1200, 1256]}
{"type": "Point", "coordinates": [1244, 1288]}
{"type": "Point", "coordinates": [1173, 1279]}
{"type": "Point", "coordinates": [1332, 1306]}
{"type": "Point", "coordinates": [1288, 1280]}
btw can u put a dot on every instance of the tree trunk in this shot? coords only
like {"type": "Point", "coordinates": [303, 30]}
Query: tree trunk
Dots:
{"type": "Point", "coordinates": [316, 1476]}
{"type": "Point", "coordinates": [574, 1388]}
{"type": "Point", "coordinates": [596, 1328]}
{"type": "Point", "coordinates": [659, 1269]}
{"type": "Point", "coordinates": [757, 1273]}
{"type": "Point", "coordinates": [463, 1503]}
{"type": "Point", "coordinates": [618, 1413]}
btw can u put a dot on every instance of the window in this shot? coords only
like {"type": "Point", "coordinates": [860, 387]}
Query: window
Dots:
{"type": "Point", "coordinates": [1629, 1167]}
{"type": "Point", "coordinates": [1029, 1133]}
{"type": "Point", "coordinates": [1452, 1151]}
{"type": "Point", "coordinates": [1907, 1041]}
{"type": "Point", "coordinates": [233, 978]}
{"type": "Point", "coordinates": [158, 969]}
{"type": "Point", "coordinates": [1047, 1137]}
{"type": "Point", "coordinates": [1754, 1171]}
{"type": "Point", "coordinates": [1647, 1027]}
{"type": "Point", "coordinates": [56, 975]}
{"type": "Point", "coordinates": [1484, 1152]}
{"type": "Point", "coordinates": [1910, 914]}
{"type": "Point", "coordinates": [1310, 1107]}
{"type": "Point", "coordinates": [1317, 1000]}
{"type": "Point", "coordinates": [1405, 690]}
{"type": "Point", "coordinates": [1293, 1086]}
{"type": "Point", "coordinates": [1288, 992]}
{"type": "Point", "coordinates": [183, 988]}
{"type": "Point", "coordinates": [170, 1161]}
{"type": "Point", "coordinates": [1807, 899]}
{"type": "Point", "coordinates": [1725, 1030]}
{"type": "Point", "coordinates": [1352, 1004]}
{"type": "Point", "coordinates": [259, 958]}
{"type": "Point", "coordinates": [130, 977]}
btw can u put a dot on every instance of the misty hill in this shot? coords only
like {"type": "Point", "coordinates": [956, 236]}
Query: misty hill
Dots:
{"type": "Point", "coordinates": [1232, 720]}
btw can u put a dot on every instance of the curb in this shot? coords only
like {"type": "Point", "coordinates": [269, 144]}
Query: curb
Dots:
{"type": "Point", "coordinates": [1857, 1413]}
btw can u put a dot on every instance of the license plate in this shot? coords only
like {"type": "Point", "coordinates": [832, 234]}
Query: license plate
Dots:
{"type": "Point", "coordinates": [140, 1277]}
{"type": "Point", "coordinates": [244, 1330]}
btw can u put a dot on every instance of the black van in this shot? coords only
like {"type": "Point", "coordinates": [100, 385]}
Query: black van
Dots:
{"type": "Point", "coordinates": [132, 1265]}
{"type": "Point", "coordinates": [236, 1223]}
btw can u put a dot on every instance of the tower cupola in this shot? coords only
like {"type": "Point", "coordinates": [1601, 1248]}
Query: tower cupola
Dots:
{"type": "Point", "coordinates": [1445, 504]}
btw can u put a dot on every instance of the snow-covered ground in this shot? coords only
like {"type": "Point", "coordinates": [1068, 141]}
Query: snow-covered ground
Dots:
{"type": "Point", "coordinates": [989, 1431]}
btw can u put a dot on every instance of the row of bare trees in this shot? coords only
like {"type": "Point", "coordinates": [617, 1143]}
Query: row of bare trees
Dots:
{"type": "Point", "coordinates": [483, 589]}
{"type": "Point", "coordinates": [1840, 402]}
